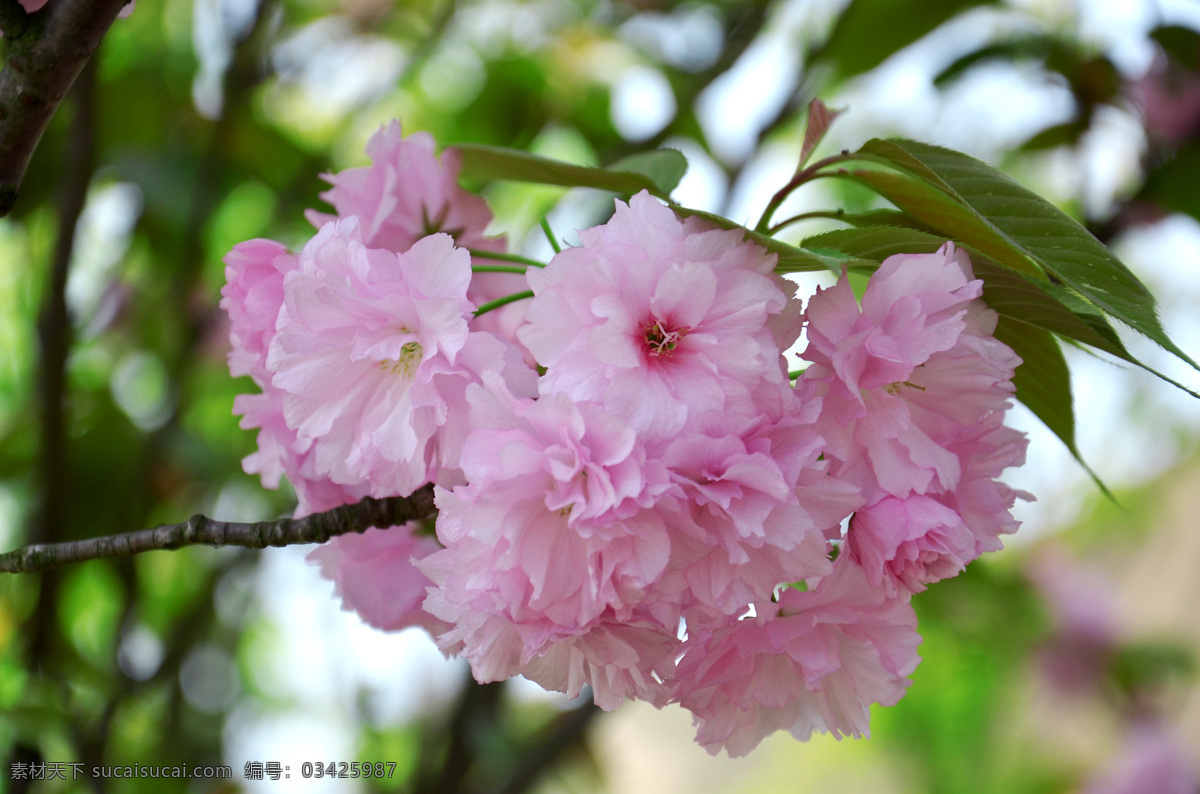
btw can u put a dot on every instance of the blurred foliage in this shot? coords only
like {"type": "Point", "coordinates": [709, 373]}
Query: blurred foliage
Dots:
{"type": "Point", "coordinates": [212, 122]}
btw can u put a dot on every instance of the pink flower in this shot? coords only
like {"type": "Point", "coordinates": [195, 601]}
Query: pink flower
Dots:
{"type": "Point", "coordinates": [630, 658]}
{"type": "Point", "coordinates": [911, 542]}
{"type": "Point", "coordinates": [986, 449]}
{"type": "Point", "coordinates": [369, 348]}
{"type": "Point", "coordinates": [1152, 762]}
{"type": "Point", "coordinates": [282, 452]}
{"type": "Point", "coordinates": [1077, 656]}
{"type": "Point", "coordinates": [252, 297]}
{"type": "Point", "coordinates": [406, 194]}
{"type": "Point", "coordinates": [554, 536]}
{"type": "Point", "coordinates": [659, 319]}
{"type": "Point", "coordinates": [905, 543]}
{"type": "Point", "coordinates": [914, 390]}
{"type": "Point", "coordinates": [913, 307]}
{"type": "Point", "coordinates": [373, 573]}
{"type": "Point", "coordinates": [815, 661]}
{"type": "Point", "coordinates": [747, 528]}
{"type": "Point", "coordinates": [907, 373]}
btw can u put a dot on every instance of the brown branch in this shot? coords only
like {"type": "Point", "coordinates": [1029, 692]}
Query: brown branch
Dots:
{"type": "Point", "coordinates": [55, 337]}
{"type": "Point", "coordinates": [199, 530]}
{"type": "Point", "coordinates": [13, 19]}
{"type": "Point", "coordinates": [558, 737]}
{"type": "Point", "coordinates": [44, 58]}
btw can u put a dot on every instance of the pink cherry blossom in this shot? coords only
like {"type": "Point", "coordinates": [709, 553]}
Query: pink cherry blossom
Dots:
{"type": "Point", "coordinates": [368, 347]}
{"type": "Point", "coordinates": [556, 533]}
{"type": "Point", "coordinates": [914, 389]}
{"type": "Point", "coordinates": [372, 572]}
{"type": "Point", "coordinates": [282, 452]}
{"type": "Point", "coordinates": [1077, 655]}
{"type": "Point", "coordinates": [747, 528]}
{"type": "Point", "coordinates": [252, 297]}
{"type": "Point", "coordinates": [914, 306]}
{"type": "Point", "coordinates": [814, 661]}
{"type": "Point", "coordinates": [408, 193]}
{"type": "Point", "coordinates": [1168, 95]}
{"type": "Point", "coordinates": [620, 660]}
{"type": "Point", "coordinates": [659, 319]}
{"type": "Point", "coordinates": [905, 543]}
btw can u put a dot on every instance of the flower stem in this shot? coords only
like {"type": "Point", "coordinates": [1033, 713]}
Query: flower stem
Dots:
{"type": "Point", "coordinates": [835, 215]}
{"type": "Point", "coordinates": [802, 176]}
{"type": "Point", "coordinates": [550, 236]}
{"type": "Point", "coordinates": [503, 257]}
{"type": "Point", "coordinates": [507, 299]}
{"type": "Point", "coordinates": [498, 269]}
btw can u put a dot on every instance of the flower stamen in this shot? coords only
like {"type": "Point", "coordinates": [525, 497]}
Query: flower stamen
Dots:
{"type": "Point", "coordinates": [411, 354]}
{"type": "Point", "coordinates": [660, 342]}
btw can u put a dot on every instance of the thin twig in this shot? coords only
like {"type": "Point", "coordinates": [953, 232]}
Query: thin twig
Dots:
{"type": "Point", "coordinates": [200, 530]}
{"type": "Point", "coordinates": [44, 58]}
{"type": "Point", "coordinates": [805, 175]}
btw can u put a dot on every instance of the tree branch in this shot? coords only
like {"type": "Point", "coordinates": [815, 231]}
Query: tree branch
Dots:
{"type": "Point", "coordinates": [55, 337]}
{"type": "Point", "coordinates": [45, 55]}
{"type": "Point", "coordinates": [199, 530]}
{"type": "Point", "coordinates": [13, 19]}
{"type": "Point", "coordinates": [564, 733]}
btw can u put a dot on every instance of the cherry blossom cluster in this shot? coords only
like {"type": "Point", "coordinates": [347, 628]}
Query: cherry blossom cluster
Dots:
{"type": "Point", "coordinates": [634, 493]}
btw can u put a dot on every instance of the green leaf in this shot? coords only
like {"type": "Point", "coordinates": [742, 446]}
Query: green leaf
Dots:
{"type": "Point", "coordinates": [877, 242]}
{"type": "Point", "coordinates": [480, 161]}
{"type": "Point", "coordinates": [1016, 49]}
{"type": "Point", "coordinates": [1043, 382]}
{"type": "Point", "coordinates": [870, 31]}
{"type": "Point", "coordinates": [791, 258]}
{"type": "Point", "coordinates": [1182, 44]}
{"type": "Point", "coordinates": [936, 209]}
{"type": "Point", "coordinates": [1173, 184]}
{"type": "Point", "coordinates": [1065, 134]}
{"type": "Point", "coordinates": [1013, 295]}
{"type": "Point", "coordinates": [1008, 219]}
{"type": "Point", "coordinates": [885, 217]}
{"type": "Point", "coordinates": [664, 167]}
